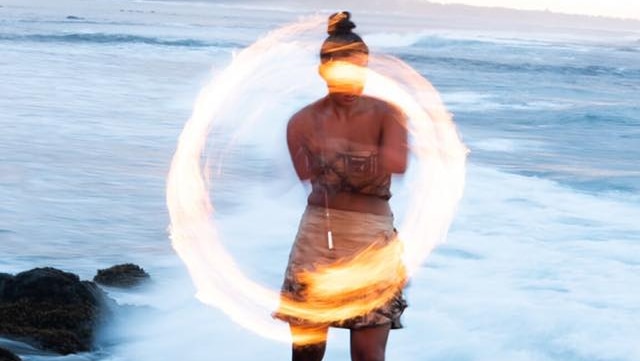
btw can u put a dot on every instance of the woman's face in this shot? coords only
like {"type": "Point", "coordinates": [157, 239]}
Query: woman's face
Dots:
{"type": "Point", "coordinates": [345, 75]}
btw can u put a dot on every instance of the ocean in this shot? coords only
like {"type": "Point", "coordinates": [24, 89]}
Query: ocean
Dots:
{"type": "Point", "coordinates": [541, 261]}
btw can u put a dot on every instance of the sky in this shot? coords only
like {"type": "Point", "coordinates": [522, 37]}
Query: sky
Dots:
{"type": "Point", "coordinates": [610, 8]}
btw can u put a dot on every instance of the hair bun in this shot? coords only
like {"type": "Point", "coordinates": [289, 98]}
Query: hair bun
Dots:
{"type": "Point", "coordinates": [340, 23]}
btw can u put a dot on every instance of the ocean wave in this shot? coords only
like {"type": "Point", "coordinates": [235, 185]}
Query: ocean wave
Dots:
{"type": "Point", "coordinates": [104, 38]}
{"type": "Point", "coordinates": [629, 49]}
{"type": "Point", "coordinates": [433, 41]}
{"type": "Point", "coordinates": [393, 40]}
{"type": "Point", "coordinates": [228, 5]}
{"type": "Point", "coordinates": [518, 67]}
{"type": "Point", "coordinates": [72, 19]}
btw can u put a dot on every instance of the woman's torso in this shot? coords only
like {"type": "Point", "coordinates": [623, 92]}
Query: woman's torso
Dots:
{"type": "Point", "coordinates": [344, 157]}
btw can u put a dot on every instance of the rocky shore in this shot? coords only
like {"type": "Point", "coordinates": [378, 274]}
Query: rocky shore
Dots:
{"type": "Point", "coordinates": [54, 310]}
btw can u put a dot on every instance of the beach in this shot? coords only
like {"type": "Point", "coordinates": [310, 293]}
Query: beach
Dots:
{"type": "Point", "coordinates": [541, 260]}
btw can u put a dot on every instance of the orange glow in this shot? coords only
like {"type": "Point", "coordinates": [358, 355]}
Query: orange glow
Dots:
{"type": "Point", "coordinates": [346, 289]}
{"type": "Point", "coordinates": [349, 288]}
{"type": "Point", "coordinates": [343, 77]}
{"type": "Point", "coordinates": [370, 278]}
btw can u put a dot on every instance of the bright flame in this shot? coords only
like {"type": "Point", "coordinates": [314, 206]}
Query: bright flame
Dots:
{"type": "Point", "coordinates": [367, 280]}
{"type": "Point", "coordinates": [343, 77]}
{"type": "Point", "coordinates": [350, 288]}
{"type": "Point", "coordinates": [346, 289]}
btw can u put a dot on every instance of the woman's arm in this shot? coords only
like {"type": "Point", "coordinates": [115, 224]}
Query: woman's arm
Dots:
{"type": "Point", "coordinates": [297, 151]}
{"type": "Point", "coordinates": [394, 148]}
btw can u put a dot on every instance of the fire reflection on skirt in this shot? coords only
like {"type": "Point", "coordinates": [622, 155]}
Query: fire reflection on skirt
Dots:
{"type": "Point", "coordinates": [352, 233]}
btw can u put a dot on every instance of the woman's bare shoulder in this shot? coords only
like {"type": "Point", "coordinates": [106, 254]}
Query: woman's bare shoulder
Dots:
{"type": "Point", "coordinates": [304, 116]}
{"type": "Point", "coordinates": [383, 107]}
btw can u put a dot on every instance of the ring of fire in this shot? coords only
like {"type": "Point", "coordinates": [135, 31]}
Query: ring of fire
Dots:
{"type": "Point", "coordinates": [436, 187]}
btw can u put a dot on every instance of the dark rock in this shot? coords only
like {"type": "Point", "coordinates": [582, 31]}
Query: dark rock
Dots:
{"type": "Point", "coordinates": [49, 285]}
{"type": "Point", "coordinates": [73, 17]}
{"type": "Point", "coordinates": [124, 275]}
{"type": "Point", "coordinates": [6, 355]}
{"type": "Point", "coordinates": [51, 309]}
{"type": "Point", "coordinates": [4, 278]}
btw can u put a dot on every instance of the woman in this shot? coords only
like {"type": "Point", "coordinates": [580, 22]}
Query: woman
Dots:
{"type": "Point", "coordinates": [347, 145]}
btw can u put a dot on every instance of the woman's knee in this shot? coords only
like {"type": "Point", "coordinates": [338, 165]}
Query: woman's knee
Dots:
{"type": "Point", "coordinates": [309, 343]}
{"type": "Point", "coordinates": [367, 356]}
{"type": "Point", "coordinates": [369, 344]}
{"type": "Point", "coordinates": [314, 352]}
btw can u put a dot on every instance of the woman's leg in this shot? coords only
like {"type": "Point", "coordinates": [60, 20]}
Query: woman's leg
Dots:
{"type": "Point", "coordinates": [369, 344]}
{"type": "Point", "coordinates": [308, 352]}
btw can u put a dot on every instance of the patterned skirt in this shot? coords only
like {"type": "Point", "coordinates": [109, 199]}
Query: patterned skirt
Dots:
{"type": "Point", "coordinates": [352, 233]}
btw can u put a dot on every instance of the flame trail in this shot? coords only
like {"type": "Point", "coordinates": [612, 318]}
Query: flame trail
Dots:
{"type": "Point", "coordinates": [435, 192]}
